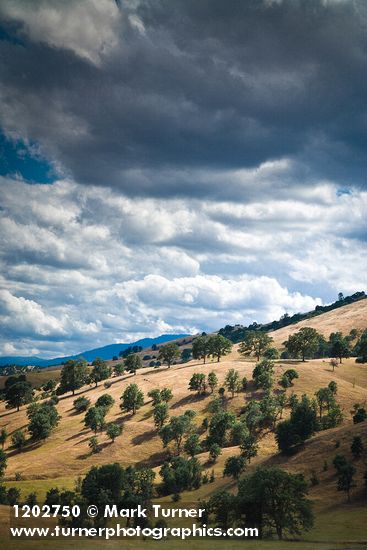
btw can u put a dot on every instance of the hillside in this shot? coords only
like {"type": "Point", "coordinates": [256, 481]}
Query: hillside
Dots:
{"type": "Point", "coordinates": [342, 320]}
{"type": "Point", "coordinates": [65, 455]}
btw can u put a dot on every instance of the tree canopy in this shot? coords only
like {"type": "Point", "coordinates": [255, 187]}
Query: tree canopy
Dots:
{"type": "Point", "coordinates": [255, 342]}
{"type": "Point", "coordinates": [132, 398]}
{"type": "Point", "coordinates": [305, 342]}
{"type": "Point", "coordinates": [18, 391]}
{"type": "Point", "coordinates": [168, 353]}
{"type": "Point", "coordinates": [74, 375]}
{"type": "Point", "coordinates": [272, 499]}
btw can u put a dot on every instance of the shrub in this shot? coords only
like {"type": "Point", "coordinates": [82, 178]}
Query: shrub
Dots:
{"type": "Point", "coordinates": [93, 445]}
{"type": "Point", "coordinates": [18, 439]}
{"type": "Point", "coordinates": [105, 401]}
{"type": "Point", "coordinates": [81, 404]}
{"type": "Point", "coordinates": [314, 480]}
{"type": "Point", "coordinates": [113, 431]}
{"type": "Point", "coordinates": [360, 415]}
{"type": "Point", "coordinates": [13, 496]}
{"type": "Point", "coordinates": [357, 447]}
{"type": "Point", "coordinates": [214, 451]}
{"type": "Point", "coordinates": [271, 353]}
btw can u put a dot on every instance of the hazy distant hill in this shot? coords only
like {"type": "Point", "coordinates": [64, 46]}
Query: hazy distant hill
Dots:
{"type": "Point", "coordinates": [106, 352]}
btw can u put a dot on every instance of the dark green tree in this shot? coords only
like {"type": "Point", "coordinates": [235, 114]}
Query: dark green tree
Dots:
{"type": "Point", "coordinates": [18, 439]}
{"type": "Point", "coordinates": [180, 474]}
{"type": "Point", "coordinates": [155, 395]}
{"type": "Point", "coordinates": [13, 496]}
{"type": "Point", "coordinates": [271, 499]}
{"type": "Point", "coordinates": [3, 437]}
{"type": "Point", "coordinates": [18, 391]}
{"type": "Point", "coordinates": [219, 346]}
{"type": "Point", "coordinates": [133, 362]}
{"type": "Point", "coordinates": [119, 369]}
{"type": "Point", "coordinates": [255, 342]}
{"type": "Point", "coordinates": [113, 430]}
{"type": "Point", "coordinates": [219, 425]}
{"type": "Point", "coordinates": [93, 445]}
{"type": "Point", "coordinates": [100, 371]}
{"type": "Point", "coordinates": [239, 432]}
{"type": "Point", "coordinates": [95, 419]}
{"type": "Point", "coordinates": [305, 342]}
{"type": "Point", "coordinates": [81, 404]}
{"type": "Point", "coordinates": [212, 381]}
{"type": "Point", "coordinates": [106, 401]}
{"type": "Point", "coordinates": [160, 414]}
{"type": "Point", "coordinates": [214, 451]}
{"type": "Point", "coordinates": [360, 415]}
{"type": "Point", "coordinates": [166, 394]}
{"type": "Point", "coordinates": [168, 353]}
{"type": "Point", "coordinates": [43, 419]}
{"type": "Point", "coordinates": [198, 383]}
{"type": "Point", "coordinates": [3, 463]}
{"type": "Point", "coordinates": [232, 381]}
{"type": "Point", "coordinates": [263, 374]}
{"type": "Point", "coordinates": [234, 466]}
{"type": "Point", "coordinates": [249, 447]}
{"type": "Point", "coordinates": [357, 447]}
{"type": "Point", "coordinates": [223, 506]}
{"type": "Point", "coordinates": [50, 385]}
{"type": "Point", "coordinates": [192, 445]}
{"type": "Point", "coordinates": [201, 348]}
{"type": "Point", "coordinates": [346, 479]}
{"type": "Point", "coordinates": [339, 346]}
{"type": "Point", "coordinates": [176, 430]}
{"type": "Point", "coordinates": [132, 398]}
{"type": "Point", "coordinates": [301, 425]}
{"type": "Point", "coordinates": [74, 375]}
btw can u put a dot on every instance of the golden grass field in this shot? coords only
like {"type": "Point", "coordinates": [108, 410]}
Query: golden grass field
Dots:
{"type": "Point", "coordinates": [65, 455]}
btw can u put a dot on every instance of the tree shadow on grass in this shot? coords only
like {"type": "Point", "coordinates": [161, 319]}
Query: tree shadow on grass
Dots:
{"type": "Point", "coordinates": [155, 459]}
{"type": "Point", "coordinates": [148, 414]}
{"type": "Point", "coordinates": [75, 436]}
{"type": "Point", "coordinates": [187, 400]}
{"type": "Point", "coordinates": [142, 438]}
{"type": "Point", "coordinates": [12, 411]}
{"type": "Point", "coordinates": [28, 447]}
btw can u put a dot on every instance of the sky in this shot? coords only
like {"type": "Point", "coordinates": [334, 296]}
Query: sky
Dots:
{"type": "Point", "coordinates": [175, 166]}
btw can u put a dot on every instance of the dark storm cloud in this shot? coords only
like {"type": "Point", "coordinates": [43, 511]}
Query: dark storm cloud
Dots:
{"type": "Point", "coordinates": [190, 88]}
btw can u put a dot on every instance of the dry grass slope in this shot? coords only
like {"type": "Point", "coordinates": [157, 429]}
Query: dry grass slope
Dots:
{"type": "Point", "coordinates": [342, 320]}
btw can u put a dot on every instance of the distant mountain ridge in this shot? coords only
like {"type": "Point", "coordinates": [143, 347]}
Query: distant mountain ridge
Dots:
{"type": "Point", "coordinates": [105, 352]}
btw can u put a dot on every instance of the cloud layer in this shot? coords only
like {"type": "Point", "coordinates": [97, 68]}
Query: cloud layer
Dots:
{"type": "Point", "coordinates": [153, 97]}
{"type": "Point", "coordinates": [83, 266]}
{"type": "Point", "coordinates": [210, 165]}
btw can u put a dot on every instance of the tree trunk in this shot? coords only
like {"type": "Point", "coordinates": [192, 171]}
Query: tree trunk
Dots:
{"type": "Point", "coordinates": [279, 532]}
